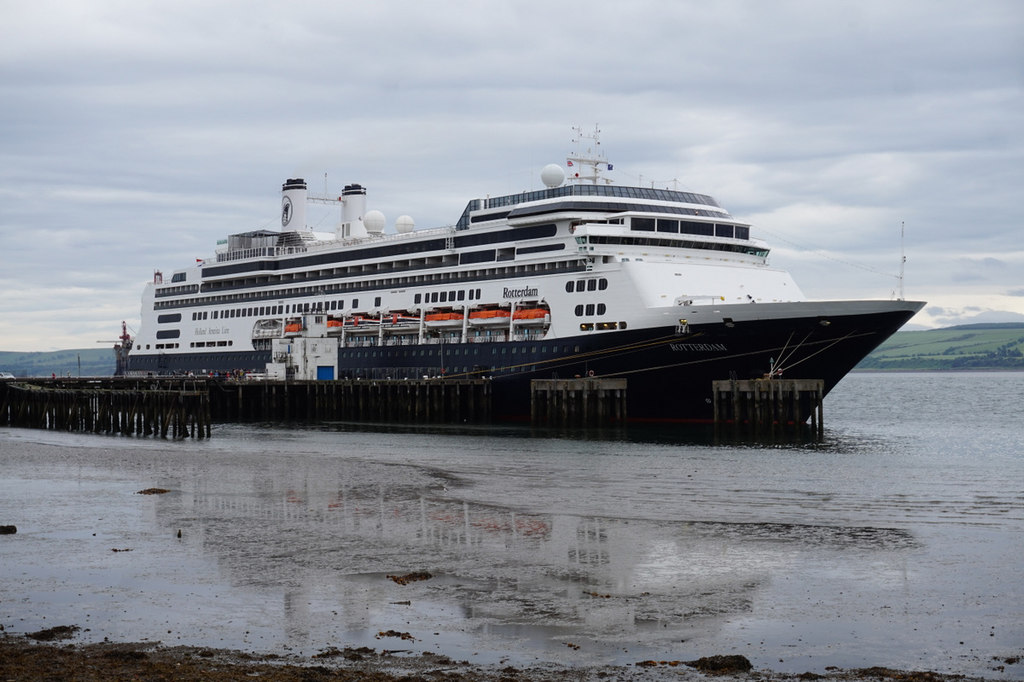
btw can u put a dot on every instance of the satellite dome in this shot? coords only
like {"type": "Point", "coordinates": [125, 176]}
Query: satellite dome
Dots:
{"type": "Point", "coordinates": [374, 221]}
{"type": "Point", "coordinates": [552, 175]}
{"type": "Point", "coordinates": [404, 224]}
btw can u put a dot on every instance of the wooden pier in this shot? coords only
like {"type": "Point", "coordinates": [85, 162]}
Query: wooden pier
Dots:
{"type": "Point", "coordinates": [451, 401]}
{"type": "Point", "coordinates": [578, 402]}
{"type": "Point", "coordinates": [186, 407]}
{"type": "Point", "coordinates": [179, 407]}
{"type": "Point", "coordinates": [763, 406]}
{"type": "Point", "coordinates": [176, 409]}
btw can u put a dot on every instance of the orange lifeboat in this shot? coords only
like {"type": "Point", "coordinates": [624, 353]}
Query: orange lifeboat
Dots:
{"type": "Point", "coordinates": [529, 314]}
{"type": "Point", "coordinates": [442, 317]}
{"type": "Point", "coordinates": [488, 314]}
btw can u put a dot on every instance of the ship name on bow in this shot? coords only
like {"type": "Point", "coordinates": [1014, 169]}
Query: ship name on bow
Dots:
{"type": "Point", "coordinates": [697, 346]}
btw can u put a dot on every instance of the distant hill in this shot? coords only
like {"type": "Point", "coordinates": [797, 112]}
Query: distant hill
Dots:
{"type": "Point", "coordinates": [968, 346]}
{"type": "Point", "coordinates": [86, 362]}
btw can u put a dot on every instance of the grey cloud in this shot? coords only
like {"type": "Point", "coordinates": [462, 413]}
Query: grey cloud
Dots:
{"type": "Point", "coordinates": [138, 136]}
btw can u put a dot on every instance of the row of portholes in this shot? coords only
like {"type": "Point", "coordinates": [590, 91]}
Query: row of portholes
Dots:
{"type": "Point", "coordinates": [594, 284]}
{"type": "Point", "coordinates": [590, 309]}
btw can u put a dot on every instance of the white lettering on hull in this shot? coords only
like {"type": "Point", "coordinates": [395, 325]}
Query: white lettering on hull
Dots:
{"type": "Point", "coordinates": [699, 347]}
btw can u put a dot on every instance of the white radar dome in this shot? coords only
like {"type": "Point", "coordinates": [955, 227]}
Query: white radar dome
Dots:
{"type": "Point", "coordinates": [404, 224]}
{"type": "Point", "coordinates": [552, 175]}
{"type": "Point", "coordinates": [374, 221]}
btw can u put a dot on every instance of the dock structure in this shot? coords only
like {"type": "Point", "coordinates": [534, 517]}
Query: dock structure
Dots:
{"type": "Point", "coordinates": [163, 408]}
{"type": "Point", "coordinates": [181, 407]}
{"type": "Point", "coordinates": [585, 401]}
{"type": "Point", "coordinates": [387, 400]}
{"type": "Point", "coordinates": [765, 405]}
{"type": "Point", "coordinates": [186, 407]}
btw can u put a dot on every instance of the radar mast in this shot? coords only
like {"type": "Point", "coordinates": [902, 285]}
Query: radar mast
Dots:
{"type": "Point", "coordinates": [587, 161]}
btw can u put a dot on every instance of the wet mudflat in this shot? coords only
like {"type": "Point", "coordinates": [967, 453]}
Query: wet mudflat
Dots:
{"type": "Point", "coordinates": [892, 544]}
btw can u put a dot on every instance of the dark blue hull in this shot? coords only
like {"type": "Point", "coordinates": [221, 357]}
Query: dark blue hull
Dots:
{"type": "Point", "coordinates": [669, 371]}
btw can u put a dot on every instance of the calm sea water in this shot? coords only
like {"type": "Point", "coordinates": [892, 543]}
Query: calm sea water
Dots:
{"type": "Point", "coordinates": [898, 541]}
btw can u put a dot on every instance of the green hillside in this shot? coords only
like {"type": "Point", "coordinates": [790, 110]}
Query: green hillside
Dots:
{"type": "Point", "coordinates": [969, 346]}
{"type": "Point", "coordinates": [82, 362]}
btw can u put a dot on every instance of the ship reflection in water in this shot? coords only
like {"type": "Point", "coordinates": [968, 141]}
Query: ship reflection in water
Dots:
{"type": "Point", "coordinates": [622, 587]}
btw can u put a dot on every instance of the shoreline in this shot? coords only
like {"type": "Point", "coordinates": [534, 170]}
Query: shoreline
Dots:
{"type": "Point", "coordinates": [48, 655]}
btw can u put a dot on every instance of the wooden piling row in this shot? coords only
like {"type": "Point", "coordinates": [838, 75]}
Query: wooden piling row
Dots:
{"type": "Point", "coordinates": [102, 408]}
{"type": "Point", "coordinates": [767, 405]}
{"type": "Point", "coordinates": [391, 400]}
{"type": "Point", "coordinates": [577, 402]}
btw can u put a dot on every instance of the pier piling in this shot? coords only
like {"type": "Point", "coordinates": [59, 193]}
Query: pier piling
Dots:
{"type": "Point", "coordinates": [766, 406]}
{"type": "Point", "coordinates": [578, 402]}
{"type": "Point", "coordinates": [159, 407]}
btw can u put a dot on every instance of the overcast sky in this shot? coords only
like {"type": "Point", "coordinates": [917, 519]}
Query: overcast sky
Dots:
{"type": "Point", "coordinates": [134, 135]}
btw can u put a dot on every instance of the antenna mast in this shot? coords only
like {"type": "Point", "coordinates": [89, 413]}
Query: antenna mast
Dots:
{"type": "Point", "coordinates": [903, 262]}
{"type": "Point", "coordinates": [585, 164]}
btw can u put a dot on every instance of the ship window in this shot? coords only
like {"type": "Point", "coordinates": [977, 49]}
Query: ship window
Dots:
{"type": "Point", "coordinates": [462, 295]}
{"type": "Point", "coordinates": [587, 327]}
{"type": "Point", "coordinates": [579, 310]}
{"type": "Point", "coordinates": [355, 302]}
{"type": "Point", "coordinates": [215, 314]}
{"type": "Point", "coordinates": [591, 285]}
{"type": "Point", "coordinates": [568, 286]}
{"type": "Point", "coordinates": [451, 295]}
{"type": "Point", "coordinates": [668, 225]}
{"type": "Point", "coordinates": [376, 301]}
{"type": "Point", "coordinates": [418, 298]}
{"type": "Point", "coordinates": [602, 284]}
{"type": "Point", "coordinates": [444, 297]}
{"type": "Point", "coordinates": [590, 309]}
{"type": "Point", "coordinates": [601, 309]}
{"type": "Point", "coordinates": [581, 285]}
{"type": "Point", "coordinates": [742, 232]}
{"type": "Point", "coordinates": [691, 227]}
{"type": "Point", "coordinates": [643, 224]}
{"type": "Point", "coordinates": [723, 230]}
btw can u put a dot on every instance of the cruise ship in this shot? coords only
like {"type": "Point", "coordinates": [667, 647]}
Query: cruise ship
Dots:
{"type": "Point", "coordinates": [581, 278]}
